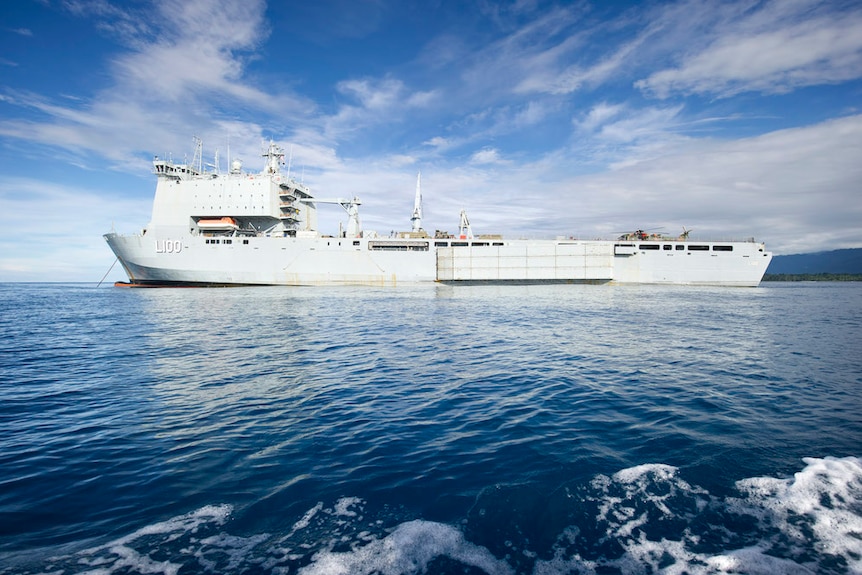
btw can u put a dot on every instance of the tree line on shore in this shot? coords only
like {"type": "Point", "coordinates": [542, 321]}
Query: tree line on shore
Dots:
{"type": "Point", "coordinates": [821, 277]}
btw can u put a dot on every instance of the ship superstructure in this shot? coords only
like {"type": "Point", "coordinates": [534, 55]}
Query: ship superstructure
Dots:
{"type": "Point", "coordinates": [192, 201]}
{"type": "Point", "coordinates": [240, 228]}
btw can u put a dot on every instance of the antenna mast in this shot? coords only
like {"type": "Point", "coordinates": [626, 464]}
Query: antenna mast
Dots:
{"type": "Point", "coordinates": [197, 160]}
{"type": "Point", "coordinates": [289, 161]}
{"type": "Point", "coordinates": [417, 206]}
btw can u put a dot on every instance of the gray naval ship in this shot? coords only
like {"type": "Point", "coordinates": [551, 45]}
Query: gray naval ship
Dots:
{"type": "Point", "coordinates": [213, 229]}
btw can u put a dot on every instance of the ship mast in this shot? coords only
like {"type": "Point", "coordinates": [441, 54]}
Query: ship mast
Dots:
{"type": "Point", "coordinates": [197, 160]}
{"type": "Point", "coordinates": [416, 219]}
{"type": "Point", "coordinates": [274, 156]}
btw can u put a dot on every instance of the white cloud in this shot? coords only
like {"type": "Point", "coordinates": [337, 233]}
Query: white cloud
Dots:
{"type": "Point", "coordinates": [486, 156]}
{"type": "Point", "coordinates": [68, 245]}
{"type": "Point", "coordinates": [183, 61]}
{"type": "Point", "coordinates": [422, 99]}
{"type": "Point", "coordinates": [438, 142]}
{"type": "Point", "coordinates": [372, 95]}
{"type": "Point", "coordinates": [530, 115]}
{"type": "Point", "coordinates": [526, 60]}
{"type": "Point", "coordinates": [775, 48]}
{"type": "Point", "coordinates": [599, 115]}
{"type": "Point", "coordinates": [388, 95]}
{"type": "Point", "coordinates": [647, 123]}
{"type": "Point", "coordinates": [378, 102]}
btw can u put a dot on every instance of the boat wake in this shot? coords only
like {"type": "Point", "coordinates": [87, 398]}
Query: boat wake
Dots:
{"type": "Point", "coordinates": [645, 519]}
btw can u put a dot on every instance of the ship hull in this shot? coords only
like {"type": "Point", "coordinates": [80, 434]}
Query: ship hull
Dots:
{"type": "Point", "coordinates": [175, 259]}
{"type": "Point", "coordinates": [264, 261]}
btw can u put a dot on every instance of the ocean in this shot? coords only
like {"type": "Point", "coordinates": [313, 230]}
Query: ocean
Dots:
{"type": "Point", "coordinates": [577, 429]}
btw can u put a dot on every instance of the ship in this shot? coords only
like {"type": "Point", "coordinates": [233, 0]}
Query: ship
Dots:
{"type": "Point", "coordinates": [210, 228]}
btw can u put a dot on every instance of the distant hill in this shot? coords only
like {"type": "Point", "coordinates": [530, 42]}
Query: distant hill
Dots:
{"type": "Point", "coordinates": [835, 262]}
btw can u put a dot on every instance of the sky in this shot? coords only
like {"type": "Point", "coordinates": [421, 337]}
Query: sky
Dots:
{"type": "Point", "coordinates": [734, 119]}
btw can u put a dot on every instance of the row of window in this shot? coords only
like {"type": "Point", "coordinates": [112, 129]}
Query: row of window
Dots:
{"type": "Point", "coordinates": [681, 247]}
{"type": "Point", "coordinates": [415, 246]}
{"type": "Point", "coordinates": [226, 241]}
{"type": "Point", "coordinates": [464, 244]}
{"type": "Point", "coordinates": [398, 246]}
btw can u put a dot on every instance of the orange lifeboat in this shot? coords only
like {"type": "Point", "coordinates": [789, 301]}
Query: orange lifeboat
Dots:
{"type": "Point", "coordinates": [217, 224]}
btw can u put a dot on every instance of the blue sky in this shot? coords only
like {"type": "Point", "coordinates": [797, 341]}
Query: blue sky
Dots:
{"type": "Point", "coordinates": [736, 119]}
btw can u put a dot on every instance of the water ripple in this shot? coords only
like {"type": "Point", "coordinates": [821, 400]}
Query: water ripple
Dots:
{"type": "Point", "coordinates": [120, 408]}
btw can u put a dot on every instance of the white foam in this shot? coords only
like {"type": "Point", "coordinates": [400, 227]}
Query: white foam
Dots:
{"type": "Point", "coordinates": [344, 506]}
{"type": "Point", "coordinates": [128, 558]}
{"type": "Point", "coordinates": [635, 521]}
{"type": "Point", "coordinates": [641, 473]}
{"type": "Point", "coordinates": [189, 522]}
{"type": "Point", "coordinates": [827, 494]}
{"type": "Point", "coordinates": [752, 561]}
{"type": "Point", "coordinates": [306, 519]}
{"type": "Point", "coordinates": [809, 523]}
{"type": "Point", "coordinates": [237, 549]}
{"type": "Point", "coordinates": [408, 549]}
{"type": "Point", "coordinates": [121, 555]}
{"type": "Point", "coordinates": [624, 495]}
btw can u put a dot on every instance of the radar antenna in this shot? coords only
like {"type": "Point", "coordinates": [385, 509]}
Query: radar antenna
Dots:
{"type": "Point", "coordinates": [274, 157]}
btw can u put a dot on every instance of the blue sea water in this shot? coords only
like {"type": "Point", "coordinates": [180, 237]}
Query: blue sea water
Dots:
{"type": "Point", "coordinates": [588, 429]}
